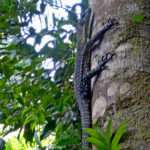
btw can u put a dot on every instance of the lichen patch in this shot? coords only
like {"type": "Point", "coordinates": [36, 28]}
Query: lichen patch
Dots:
{"type": "Point", "coordinates": [99, 108]}
{"type": "Point", "coordinates": [113, 89]}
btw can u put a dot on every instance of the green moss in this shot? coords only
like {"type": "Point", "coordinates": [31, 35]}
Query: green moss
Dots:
{"type": "Point", "coordinates": [133, 23]}
{"type": "Point", "coordinates": [138, 18]}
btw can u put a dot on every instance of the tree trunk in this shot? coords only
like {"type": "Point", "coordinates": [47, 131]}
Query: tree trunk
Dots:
{"type": "Point", "coordinates": [122, 92]}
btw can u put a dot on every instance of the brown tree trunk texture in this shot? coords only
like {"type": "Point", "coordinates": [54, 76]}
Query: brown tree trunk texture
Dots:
{"type": "Point", "coordinates": [122, 92]}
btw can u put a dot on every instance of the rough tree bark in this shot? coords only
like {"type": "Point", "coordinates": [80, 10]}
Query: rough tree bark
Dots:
{"type": "Point", "coordinates": [123, 90]}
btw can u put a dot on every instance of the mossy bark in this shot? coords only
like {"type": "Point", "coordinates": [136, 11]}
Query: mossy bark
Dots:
{"type": "Point", "coordinates": [122, 92]}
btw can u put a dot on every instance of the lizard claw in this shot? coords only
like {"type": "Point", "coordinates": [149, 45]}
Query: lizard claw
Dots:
{"type": "Point", "coordinates": [113, 21]}
{"type": "Point", "coordinates": [107, 56]}
{"type": "Point", "coordinates": [103, 58]}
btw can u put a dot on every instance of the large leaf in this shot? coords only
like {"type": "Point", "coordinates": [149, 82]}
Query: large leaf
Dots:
{"type": "Point", "coordinates": [108, 134]}
{"type": "Point", "coordinates": [119, 133]}
{"type": "Point", "coordinates": [99, 135]}
{"type": "Point", "coordinates": [97, 143]}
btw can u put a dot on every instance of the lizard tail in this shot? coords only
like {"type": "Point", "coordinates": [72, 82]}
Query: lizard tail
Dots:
{"type": "Point", "coordinates": [86, 122]}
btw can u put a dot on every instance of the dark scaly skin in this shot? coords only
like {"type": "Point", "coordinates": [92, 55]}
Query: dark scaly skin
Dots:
{"type": "Point", "coordinates": [82, 86]}
{"type": "Point", "coordinates": [82, 89]}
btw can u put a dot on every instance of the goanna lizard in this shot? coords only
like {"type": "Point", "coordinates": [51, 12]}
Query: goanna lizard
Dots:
{"type": "Point", "coordinates": [83, 72]}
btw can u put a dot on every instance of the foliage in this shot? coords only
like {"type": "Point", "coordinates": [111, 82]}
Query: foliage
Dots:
{"type": "Point", "coordinates": [104, 139]}
{"type": "Point", "coordinates": [30, 94]}
{"type": "Point", "coordinates": [15, 144]}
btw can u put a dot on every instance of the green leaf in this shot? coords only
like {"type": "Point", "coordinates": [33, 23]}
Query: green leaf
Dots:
{"type": "Point", "coordinates": [120, 131]}
{"type": "Point", "coordinates": [108, 133]}
{"type": "Point", "coordinates": [23, 63]}
{"type": "Point", "coordinates": [29, 119]}
{"type": "Point", "coordinates": [116, 147]}
{"type": "Point", "coordinates": [96, 142]}
{"type": "Point", "coordinates": [96, 134]}
{"type": "Point", "coordinates": [108, 130]}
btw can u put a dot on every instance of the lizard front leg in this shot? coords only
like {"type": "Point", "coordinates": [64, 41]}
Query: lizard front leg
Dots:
{"type": "Point", "coordinates": [101, 66]}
